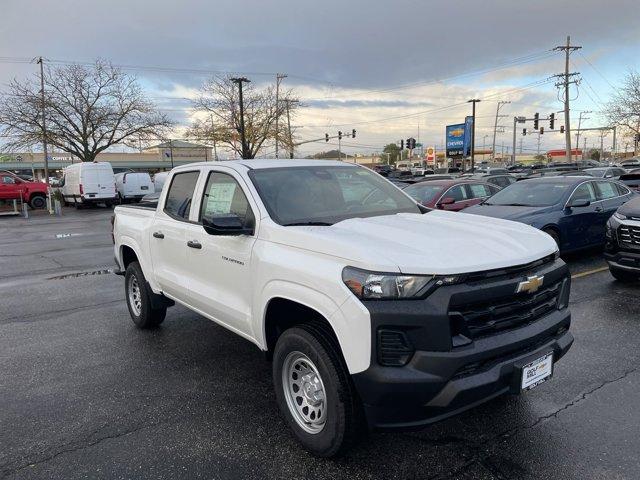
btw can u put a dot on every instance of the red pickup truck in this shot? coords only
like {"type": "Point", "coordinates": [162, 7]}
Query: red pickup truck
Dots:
{"type": "Point", "coordinates": [13, 187]}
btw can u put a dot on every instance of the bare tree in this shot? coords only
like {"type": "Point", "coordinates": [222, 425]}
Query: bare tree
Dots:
{"type": "Point", "coordinates": [624, 107]}
{"type": "Point", "coordinates": [219, 99]}
{"type": "Point", "coordinates": [88, 109]}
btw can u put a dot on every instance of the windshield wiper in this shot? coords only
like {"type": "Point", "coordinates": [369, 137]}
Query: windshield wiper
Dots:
{"type": "Point", "coordinates": [307, 224]}
{"type": "Point", "coordinates": [511, 204]}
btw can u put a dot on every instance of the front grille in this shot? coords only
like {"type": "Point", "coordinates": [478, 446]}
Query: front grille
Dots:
{"type": "Point", "coordinates": [490, 317]}
{"type": "Point", "coordinates": [629, 234]}
{"type": "Point", "coordinates": [502, 272]}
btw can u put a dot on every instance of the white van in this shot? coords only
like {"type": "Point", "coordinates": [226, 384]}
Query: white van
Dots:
{"type": "Point", "coordinates": [404, 166]}
{"type": "Point", "coordinates": [88, 183]}
{"type": "Point", "coordinates": [159, 179]}
{"type": "Point", "coordinates": [132, 186]}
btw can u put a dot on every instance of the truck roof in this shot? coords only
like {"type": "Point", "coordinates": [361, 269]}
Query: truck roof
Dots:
{"type": "Point", "coordinates": [258, 163]}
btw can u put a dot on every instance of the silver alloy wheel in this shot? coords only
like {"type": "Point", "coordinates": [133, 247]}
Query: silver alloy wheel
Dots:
{"type": "Point", "coordinates": [304, 392]}
{"type": "Point", "coordinates": [135, 297]}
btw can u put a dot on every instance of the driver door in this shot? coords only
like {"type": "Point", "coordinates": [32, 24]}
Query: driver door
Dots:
{"type": "Point", "coordinates": [579, 225]}
{"type": "Point", "coordinates": [220, 265]}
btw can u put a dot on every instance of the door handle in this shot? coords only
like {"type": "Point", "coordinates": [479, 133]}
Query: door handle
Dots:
{"type": "Point", "coordinates": [599, 209]}
{"type": "Point", "coordinates": [158, 235]}
{"type": "Point", "coordinates": [194, 244]}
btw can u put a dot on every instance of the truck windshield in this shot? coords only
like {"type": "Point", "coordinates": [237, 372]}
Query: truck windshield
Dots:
{"type": "Point", "coordinates": [319, 195]}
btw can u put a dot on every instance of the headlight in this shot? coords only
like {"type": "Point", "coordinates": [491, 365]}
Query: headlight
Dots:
{"type": "Point", "coordinates": [620, 216]}
{"type": "Point", "coordinates": [372, 285]}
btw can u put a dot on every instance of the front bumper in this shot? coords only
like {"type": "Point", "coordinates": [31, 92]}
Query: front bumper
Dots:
{"type": "Point", "coordinates": [441, 380]}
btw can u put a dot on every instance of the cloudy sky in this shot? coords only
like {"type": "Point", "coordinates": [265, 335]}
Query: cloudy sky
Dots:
{"type": "Point", "coordinates": [390, 69]}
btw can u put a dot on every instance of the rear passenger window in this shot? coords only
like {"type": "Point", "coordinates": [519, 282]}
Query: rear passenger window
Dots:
{"type": "Point", "coordinates": [180, 194]}
{"type": "Point", "coordinates": [607, 190]}
{"type": "Point", "coordinates": [479, 191]}
{"type": "Point", "coordinates": [622, 190]}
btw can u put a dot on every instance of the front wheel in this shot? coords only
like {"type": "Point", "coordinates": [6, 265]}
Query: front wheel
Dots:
{"type": "Point", "coordinates": [314, 391]}
{"type": "Point", "coordinates": [139, 299]}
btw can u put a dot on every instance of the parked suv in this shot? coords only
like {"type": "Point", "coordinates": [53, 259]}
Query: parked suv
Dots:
{"type": "Point", "coordinates": [622, 249]}
{"type": "Point", "coordinates": [13, 187]}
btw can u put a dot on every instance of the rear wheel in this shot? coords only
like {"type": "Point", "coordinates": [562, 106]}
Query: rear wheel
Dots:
{"type": "Point", "coordinates": [623, 275]}
{"type": "Point", "coordinates": [138, 297]}
{"type": "Point", "coordinates": [314, 391]}
{"type": "Point", "coordinates": [38, 201]}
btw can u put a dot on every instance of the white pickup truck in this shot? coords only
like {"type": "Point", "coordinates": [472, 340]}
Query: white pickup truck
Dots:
{"type": "Point", "coordinates": [375, 311]}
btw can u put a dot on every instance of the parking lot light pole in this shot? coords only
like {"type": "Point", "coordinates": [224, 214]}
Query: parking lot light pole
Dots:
{"type": "Point", "coordinates": [516, 120]}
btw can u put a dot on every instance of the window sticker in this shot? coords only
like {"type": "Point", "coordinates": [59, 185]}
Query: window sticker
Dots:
{"type": "Point", "coordinates": [220, 197]}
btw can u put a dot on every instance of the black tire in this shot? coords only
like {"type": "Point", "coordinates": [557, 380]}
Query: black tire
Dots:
{"type": "Point", "coordinates": [344, 421]}
{"type": "Point", "coordinates": [38, 202]}
{"type": "Point", "coordinates": [144, 315]}
{"type": "Point", "coordinates": [623, 275]}
{"type": "Point", "coordinates": [553, 234]}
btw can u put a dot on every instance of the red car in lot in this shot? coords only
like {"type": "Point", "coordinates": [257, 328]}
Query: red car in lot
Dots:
{"type": "Point", "coordinates": [13, 187]}
{"type": "Point", "coordinates": [451, 195]}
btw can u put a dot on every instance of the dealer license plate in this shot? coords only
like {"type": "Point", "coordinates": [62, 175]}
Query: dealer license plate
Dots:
{"type": "Point", "coordinates": [537, 372]}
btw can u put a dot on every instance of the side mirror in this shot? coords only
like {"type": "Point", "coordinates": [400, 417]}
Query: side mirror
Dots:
{"type": "Point", "coordinates": [579, 203]}
{"type": "Point", "coordinates": [229, 225]}
{"type": "Point", "coordinates": [447, 201]}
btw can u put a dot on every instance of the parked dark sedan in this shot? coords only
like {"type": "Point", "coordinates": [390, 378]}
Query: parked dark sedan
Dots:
{"type": "Point", "coordinates": [622, 250]}
{"type": "Point", "coordinates": [573, 210]}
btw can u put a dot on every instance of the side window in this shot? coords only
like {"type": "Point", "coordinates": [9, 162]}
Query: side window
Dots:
{"type": "Point", "coordinates": [178, 202]}
{"type": "Point", "coordinates": [622, 190]}
{"type": "Point", "coordinates": [8, 180]}
{"type": "Point", "coordinates": [479, 190]}
{"type": "Point", "coordinates": [493, 189]}
{"type": "Point", "coordinates": [584, 192]}
{"type": "Point", "coordinates": [223, 196]}
{"type": "Point", "coordinates": [458, 193]}
{"type": "Point", "coordinates": [606, 190]}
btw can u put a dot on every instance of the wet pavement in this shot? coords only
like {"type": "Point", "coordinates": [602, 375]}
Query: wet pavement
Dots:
{"type": "Point", "coordinates": [83, 394]}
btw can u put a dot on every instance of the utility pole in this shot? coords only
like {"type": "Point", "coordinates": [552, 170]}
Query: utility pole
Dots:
{"type": "Point", "coordinates": [279, 77]}
{"type": "Point", "coordinates": [171, 151]}
{"type": "Point", "coordinates": [538, 142]}
{"type": "Point", "coordinates": [495, 127]}
{"type": "Point", "coordinates": [243, 138]}
{"type": "Point", "coordinates": [579, 124]}
{"type": "Point", "coordinates": [568, 48]}
{"type": "Point", "coordinates": [473, 102]}
{"type": "Point", "coordinates": [521, 140]}
{"type": "Point", "coordinates": [388, 156]}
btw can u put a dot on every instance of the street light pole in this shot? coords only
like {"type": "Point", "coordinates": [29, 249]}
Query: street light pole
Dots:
{"type": "Point", "coordinates": [243, 139]}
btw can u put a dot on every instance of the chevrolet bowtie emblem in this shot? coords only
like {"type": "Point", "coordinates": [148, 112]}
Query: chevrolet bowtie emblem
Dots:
{"type": "Point", "coordinates": [531, 284]}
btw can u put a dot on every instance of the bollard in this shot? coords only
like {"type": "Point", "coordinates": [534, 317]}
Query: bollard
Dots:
{"type": "Point", "coordinates": [25, 210]}
{"type": "Point", "coordinates": [57, 208]}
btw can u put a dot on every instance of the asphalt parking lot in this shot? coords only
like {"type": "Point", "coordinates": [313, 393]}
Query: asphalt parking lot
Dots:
{"type": "Point", "coordinates": [83, 394]}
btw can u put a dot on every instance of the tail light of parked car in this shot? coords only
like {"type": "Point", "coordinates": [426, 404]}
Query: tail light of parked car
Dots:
{"type": "Point", "coordinates": [113, 221]}
{"type": "Point", "coordinates": [81, 190]}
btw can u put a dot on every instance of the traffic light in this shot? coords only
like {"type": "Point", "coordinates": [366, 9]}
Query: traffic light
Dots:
{"type": "Point", "coordinates": [339, 135]}
{"type": "Point", "coordinates": [353, 133]}
{"type": "Point", "coordinates": [637, 137]}
{"type": "Point", "coordinates": [552, 120]}
{"type": "Point", "coordinates": [561, 128]}
{"type": "Point", "coordinates": [326, 137]}
{"type": "Point", "coordinates": [524, 131]}
{"type": "Point", "coordinates": [413, 143]}
{"type": "Point", "coordinates": [541, 130]}
{"type": "Point", "coordinates": [408, 143]}
{"type": "Point", "coordinates": [536, 121]}
{"type": "Point", "coordinates": [401, 144]}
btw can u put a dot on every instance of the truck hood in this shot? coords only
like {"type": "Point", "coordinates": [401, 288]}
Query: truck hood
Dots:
{"type": "Point", "coordinates": [437, 242]}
